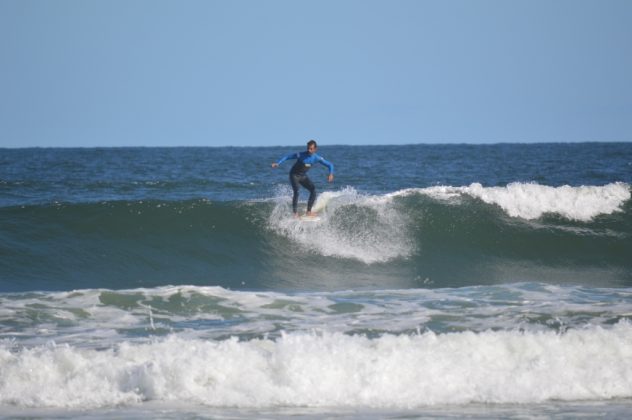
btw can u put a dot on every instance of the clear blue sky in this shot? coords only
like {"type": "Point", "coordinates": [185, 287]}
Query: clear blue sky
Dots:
{"type": "Point", "coordinates": [249, 73]}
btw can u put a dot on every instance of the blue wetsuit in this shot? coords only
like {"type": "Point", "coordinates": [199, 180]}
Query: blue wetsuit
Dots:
{"type": "Point", "coordinates": [298, 175]}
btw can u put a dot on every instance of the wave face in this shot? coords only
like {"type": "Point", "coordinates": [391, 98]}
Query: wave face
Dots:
{"type": "Point", "coordinates": [435, 237]}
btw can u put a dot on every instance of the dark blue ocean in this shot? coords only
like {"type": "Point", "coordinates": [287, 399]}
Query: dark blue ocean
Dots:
{"type": "Point", "coordinates": [441, 281]}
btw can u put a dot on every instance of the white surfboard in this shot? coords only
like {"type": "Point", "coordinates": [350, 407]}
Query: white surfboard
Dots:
{"type": "Point", "coordinates": [306, 218]}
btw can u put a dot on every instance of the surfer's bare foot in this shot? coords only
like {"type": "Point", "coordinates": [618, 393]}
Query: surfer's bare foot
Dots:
{"type": "Point", "coordinates": [311, 214]}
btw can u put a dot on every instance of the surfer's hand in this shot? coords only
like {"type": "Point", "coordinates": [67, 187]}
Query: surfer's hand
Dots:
{"type": "Point", "coordinates": [330, 178]}
{"type": "Point", "coordinates": [275, 165]}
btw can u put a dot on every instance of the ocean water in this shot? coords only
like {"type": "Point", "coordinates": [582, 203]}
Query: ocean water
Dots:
{"type": "Point", "coordinates": [442, 281]}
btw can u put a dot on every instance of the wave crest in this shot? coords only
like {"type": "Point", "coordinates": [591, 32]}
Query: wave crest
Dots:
{"type": "Point", "coordinates": [531, 201]}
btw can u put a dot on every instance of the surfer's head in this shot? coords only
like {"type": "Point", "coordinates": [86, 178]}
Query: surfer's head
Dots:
{"type": "Point", "coordinates": [312, 146]}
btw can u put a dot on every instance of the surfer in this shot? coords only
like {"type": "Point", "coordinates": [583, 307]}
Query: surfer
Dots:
{"type": "Point", "coordinates": [298, 174]}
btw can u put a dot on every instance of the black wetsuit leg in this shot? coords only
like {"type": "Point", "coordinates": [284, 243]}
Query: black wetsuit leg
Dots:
{"type": "Point", "coordinates": [307, 183]}
{"type": "Point", "coordinates": [302, 179]}
{"type": "Point", "coordinates": [295, 180]}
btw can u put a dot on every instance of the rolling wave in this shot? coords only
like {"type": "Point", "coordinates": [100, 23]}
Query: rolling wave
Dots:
{"type": "Point", "coordinates": [425, 237]}
{"type": "Point", "coordinates": [328, 369]}
{"type": "Point", "coordinates": [214, 347]}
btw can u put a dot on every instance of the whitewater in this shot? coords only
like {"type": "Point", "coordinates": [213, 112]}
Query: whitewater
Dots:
{"type": "Point", "coordinates": [381, 349]}
{"type": "Point", "coordinates": [328, 369]}
{"type": "Point", "coordinates": [472, 281]}
{"type": "Point", "coordinates": [531, 201]}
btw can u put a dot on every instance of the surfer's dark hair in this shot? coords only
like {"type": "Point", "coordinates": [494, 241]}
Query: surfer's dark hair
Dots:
{"type": "Point", "coordinates": [312, 142]}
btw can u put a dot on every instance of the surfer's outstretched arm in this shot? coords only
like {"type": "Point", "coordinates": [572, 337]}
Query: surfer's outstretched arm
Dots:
{"type": "Point", "coordinates": [284, 158]}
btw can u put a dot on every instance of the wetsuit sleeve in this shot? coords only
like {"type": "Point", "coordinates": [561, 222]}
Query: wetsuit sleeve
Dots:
{"type": "Point", "coordinates": [327, 164]}
{"type": "Point", "coordinates": [290, 156]}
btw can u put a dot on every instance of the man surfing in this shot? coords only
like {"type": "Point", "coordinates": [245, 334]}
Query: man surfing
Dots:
{"type": "Point", "coordinates": [298, 174]}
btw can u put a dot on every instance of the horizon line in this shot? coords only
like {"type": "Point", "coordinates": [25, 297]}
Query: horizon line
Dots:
{"type": "Point", "coordinates": [455, 143]}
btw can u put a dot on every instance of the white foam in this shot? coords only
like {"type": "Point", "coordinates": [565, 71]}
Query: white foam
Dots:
{"type": "Point", "coordinates": [328, 370]}
{"type": "Point", "coordinates": [531, 201]}
{"type": "Point", "coordinates": [373, 232]}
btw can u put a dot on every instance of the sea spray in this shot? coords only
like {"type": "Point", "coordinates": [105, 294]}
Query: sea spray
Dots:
{"type": "Point", "coordinates": [352, 225]}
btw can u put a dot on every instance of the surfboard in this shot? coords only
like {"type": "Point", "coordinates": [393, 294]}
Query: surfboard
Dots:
{"type": "Point", "coordinates": [305, 218]}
